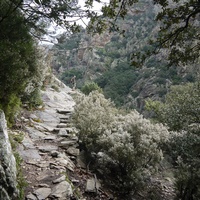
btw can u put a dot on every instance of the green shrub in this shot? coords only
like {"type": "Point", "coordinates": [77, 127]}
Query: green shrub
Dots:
{"type": "Point", "coordinates": [181, 107]}
{"type": "Point", "coordinates": [10, 108]}
{"type": "Point", "coordinates": [33, 99]}
{"type": "Point", "coordinates": [128, 147]}
{"type": "Point", "coordinates": [181, 113]}
{"type": "Point", "coordinates": [93, 115]}
{"type": "Point", "coordinates": [89, 87]}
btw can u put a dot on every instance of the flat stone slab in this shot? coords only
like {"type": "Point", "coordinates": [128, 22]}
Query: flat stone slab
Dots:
{"type": "Point", "coordinates": [62, 191]}
{"type": "Point", "coordinates": [50, 137]}
{"type": "Point", "coordinates": [30, 154]}
{"type": "Point", "coordinates": [47, 148]}
{"type": "Point", "coordinates": [92, 185]}
{"type": "Point", "coordinates": [47, 116]}
{"type": "Point", "coordinates": [73, 151]}
{"type": "Point", "coordinates": [28, 143]}
{"type": "Point", "coordinates": [42, 193]}
{"type": "Point", "coordinates": [35, 134]}
{"type": "Point", "coordinates": [65, 161]}
{"type": "Point", "coordinates": [31, 197]}
{"type": "Point", "coordinates": [67, 143]}
{"type": "Point", "coordinates": [58, 180]}
{"type": "Point", "coordinates": [62, 125]}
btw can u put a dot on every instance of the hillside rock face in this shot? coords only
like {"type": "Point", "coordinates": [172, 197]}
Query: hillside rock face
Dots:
{"type": "Point", "coordinates": [112, 60]}
{"type": "Point", "coordinates": [8, 183]}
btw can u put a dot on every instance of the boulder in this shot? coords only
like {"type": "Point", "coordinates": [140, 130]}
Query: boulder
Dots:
{"type": "Point", "coordinates": [8, 171]}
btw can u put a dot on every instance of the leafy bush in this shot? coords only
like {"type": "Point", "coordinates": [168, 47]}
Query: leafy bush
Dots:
{"type": "Point", "coordinates": [33, 99]}
{"type": "Point", "coordinates": [184, 149]}
{"type": "Point", "coordinates": [93, 115]}
{"type": "Point", "coordinates": [133, 147]}
{"type": "Point", "coordinates": [127, 146]}
{"type": "Point", "coordinates": [89, 87]}
{"type": "Point", "coordinates": [181, 107]}
{"type": "Point", "coordinates": [10, 108]}
{"type": "Point", "coordinates": [181, 112]}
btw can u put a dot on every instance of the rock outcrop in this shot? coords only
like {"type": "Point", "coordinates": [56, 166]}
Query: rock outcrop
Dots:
{"type": "Point", "coordinates": [8, 180]}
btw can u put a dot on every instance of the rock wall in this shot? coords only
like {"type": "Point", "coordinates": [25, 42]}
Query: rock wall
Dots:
{"type": "Point", "coordinates": [8, 183]}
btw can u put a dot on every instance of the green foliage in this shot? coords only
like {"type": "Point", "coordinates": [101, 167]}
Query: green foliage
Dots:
{"type": "Point", "coordinates": [178, 32]}
{"type": "Point", "coordinates": [89, 87]}
{"type": "Point", "coordinates": [33, 99]}
{"type": "Point", "coordinates": [184, 150]}
{"type": "Point", "coordinates": [93, 114]}
{"type": "Point", "coordinates": [20, 178]}
{"type": "Point", "coordinates": [180, 108]}
{"type": "Point", "coordinates": [128, 147]}
{"type": "Point", "coordinates": [68, 74]}
{"type": "Point", "coordinates": [17, 60]}
{"type": "Point", "coordinates": [10, 108]}
{"type": "Point", "coordinates": [181, 112]}
{"type": "Point", "coordinates": [116, 83]}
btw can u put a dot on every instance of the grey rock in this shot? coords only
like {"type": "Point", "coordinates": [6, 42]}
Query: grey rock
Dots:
{"type": "Point", "coordinates": [54, 153]}
{"type": "Point", "coordinates": [62, 125]}
{"type": "Point", "coordinates": [31, 197]}
{"type": "Point", "coordinates": [62, 191]}
{"type": "Point", "coordinates": [73, 151]}
{"type": "Point", "coordinates": [63, 160]}
{"type": "Point", "coordinates": [92, 185]}
{"type": "Point", "coordinates": [47, 148]}
{"type": "Point", "coordinates": [48, 116]}
{"type": "Point", "coordinates": [28, 143]}
{"type": "Point", "coordinates": [42, 193]}
{"type": "Point", "coordinates": [35, 134]}
{"type": "Point", "coordinates": [63, 133]}
{"type": "Point", "coordinates": [8, 171]}
{"type": "Point", "coordinates": [58, 180]}
{"type": "Point", "coordinates": [50, 137]}
{"type": "Point", "coordinates": [67, 143]}
{"type": "Point", "coordinates": [64, 121]}
{"type": "Point", "coordinates": [30, 154]}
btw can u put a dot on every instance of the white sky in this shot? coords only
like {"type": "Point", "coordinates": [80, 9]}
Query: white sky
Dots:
{"type": "Point", "coordinates": [96, 7]}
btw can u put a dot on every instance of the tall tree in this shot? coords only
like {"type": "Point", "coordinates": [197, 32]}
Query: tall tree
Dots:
{"type": "Point", "coordinates": [18, 58]}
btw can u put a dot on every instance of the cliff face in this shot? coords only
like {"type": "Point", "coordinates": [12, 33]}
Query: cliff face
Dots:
{"type": "Point", "coordinates": [8, 183]}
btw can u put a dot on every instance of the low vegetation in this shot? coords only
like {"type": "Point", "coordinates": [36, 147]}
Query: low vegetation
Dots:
{"type": "Point", "coordinates": [180, 112]}
{"type": "Point", "coordinates": [128, 148]}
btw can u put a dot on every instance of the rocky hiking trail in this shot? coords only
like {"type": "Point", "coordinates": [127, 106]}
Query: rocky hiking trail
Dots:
{"type": "Point", "coordinates": [52, 164]}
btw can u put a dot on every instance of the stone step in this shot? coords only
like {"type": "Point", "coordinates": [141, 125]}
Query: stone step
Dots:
{"type": "Point", "coordinates": [64, 121]}
{"type": "Point", "coordinates": [65, 117]}
{"type": "Point", "coordinates": [62, 125]}
{"type": "Point", "coordinates": [62, 111]}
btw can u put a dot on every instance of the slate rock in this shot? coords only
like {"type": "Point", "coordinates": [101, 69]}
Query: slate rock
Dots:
{"type": "Point", "coordinates": [42, 193]}
{"type": "Point", "coordinates": [62, 191]}
{"type": "Point", "coordinates": [58, 180]}
{"type": "Point", "coordinates": [92, 185]}
{"type": "Point", "coordinates": [73, 151]}
{"type": "Point", "coordinates": [31, 197]}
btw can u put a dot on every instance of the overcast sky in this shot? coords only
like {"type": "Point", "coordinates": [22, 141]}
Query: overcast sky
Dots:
{"type": "Point", "coordinates": [55, 30]}
{"type": "Point", "coordinates": [96, 7]}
